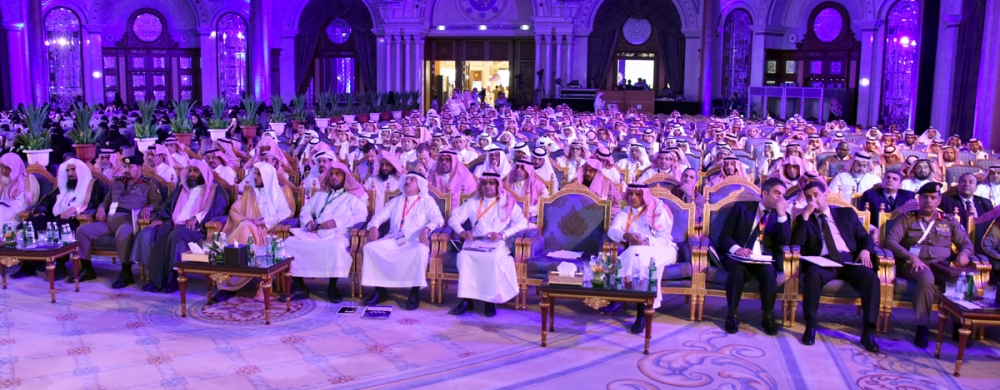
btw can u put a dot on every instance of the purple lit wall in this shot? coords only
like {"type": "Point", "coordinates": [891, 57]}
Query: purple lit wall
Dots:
{"type": "Point", "coordinates": [902, 35]}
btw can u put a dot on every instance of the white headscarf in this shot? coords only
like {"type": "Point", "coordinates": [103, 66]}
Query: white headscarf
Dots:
{"type": "Point", "coordinates": [276, 204]}
{"type": "Point", "coordinates": [487, 165]}
{"type": "Point", "coordinates": [421, 182]}
{"type": "Point", "coordinates": [78, 195]}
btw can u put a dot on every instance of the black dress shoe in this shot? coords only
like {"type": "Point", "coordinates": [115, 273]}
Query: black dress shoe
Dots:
{"type": "Point", "coordinates": [462, 307]}
{"type": "Point", "coordinates": [639, 325]}
{"type": "Point", "coordinates": [150, 287]}
{"type": "Point", "coordinates": [770, 325]}
{"type": "Point", "coordinates": [332, 294]}
{"type": "Point", "coordinates": [809, 336]}
{"type": "Point", "coordinates": [171, 286]}
{"type": "Point", "coordinates": [223, 296]}
{"type": "Point", "coordinates": [612, 307]}
{"type": "Point", "coordinates": [380, 295]}
{"type": "Point", "coordinates": [86, 272]}
{"type": "Point", "coordinates": [868, 341]}
{"type": "Point", "coordinates": [732, 324]}
{"type": "Point", "coordinates": [124, 279]}
{"type": "Point", "coordinates": [920, 338]}
{"type": "Point", "coordinates": [23, 272]}
{"type": "Point", "coordinates": [413, 301]}
{"type": "Point", "coordinates": [295, 295]}
{"type": "Point", "coordinates": [491, 309]}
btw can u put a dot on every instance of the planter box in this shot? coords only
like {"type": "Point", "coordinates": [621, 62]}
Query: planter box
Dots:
{"type": "Point", "coordinates": [217, 134]}
{"type": "Point", "coordinates": [40, 157]}
{"type": "Point", "coordinates": [144, 143]}
{"type": "Point", "coordinates": [86, 152]}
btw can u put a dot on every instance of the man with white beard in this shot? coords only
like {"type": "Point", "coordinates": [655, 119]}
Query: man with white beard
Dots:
{"type": "Point", "coordinates": [857, 178]}
{"type": "Point", "coordinates": [990, 188]}
{"type": "Point", "coordinates": [920, 174]}
{"type": "Point", "coordinates": [387, 180]}
{"type": "Point", "coordinates": [400, 258]}
{"type": "Point", "coordinates": [320, 245]}
{"type": "Point", "coordinates": [220, 166]}
{"type": "Point", "coordinates": [324, 160]}
{"type": "Point", "coordinates": [487, 276]}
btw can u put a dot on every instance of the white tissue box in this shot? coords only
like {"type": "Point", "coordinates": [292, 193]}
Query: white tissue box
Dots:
{"type": "Point", "coordinates": [200, 258]}
{"type": "Point", "coordinates": [575, 280]}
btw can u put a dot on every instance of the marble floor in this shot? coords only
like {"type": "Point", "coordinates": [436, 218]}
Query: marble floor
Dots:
{"type": "Point", "coordinates": [100, 338]}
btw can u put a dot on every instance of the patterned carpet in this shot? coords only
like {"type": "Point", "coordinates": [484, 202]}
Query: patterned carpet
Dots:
{"type": "Point", "coordinates": [108, 339]}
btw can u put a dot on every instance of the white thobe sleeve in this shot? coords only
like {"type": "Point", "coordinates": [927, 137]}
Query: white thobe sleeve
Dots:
{"type": "Point", "coordinates": [433, 215]}
{"type": "Point", "coordinates": [617, 230]}
{"type": "Point", "coordinates": [459, 215]}
{"type": "Point", "coordinates": [283, 212]}
{"type": "Point", "coordinates": [306, 214]}
{"type": "Point", "coordinates": [663, 236]}
{"type": "Point", "coordinates": [357, 214]}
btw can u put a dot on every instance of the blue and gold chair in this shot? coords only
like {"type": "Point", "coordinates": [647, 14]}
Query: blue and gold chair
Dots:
{"type": "Point", "coordinates": [573, 219]}
{"type": "Point", "coordinates": [728, 186]}
{"type": "Point", "coordinates": [686, 276]}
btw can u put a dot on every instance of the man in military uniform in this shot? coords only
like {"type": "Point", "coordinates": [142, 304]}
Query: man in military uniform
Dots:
{"type": "Point", "coordinates": [920, 239]}
{"type": "Point", "coordinates": [129, 193]}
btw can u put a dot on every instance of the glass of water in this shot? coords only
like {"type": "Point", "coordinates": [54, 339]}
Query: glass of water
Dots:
{"type": "Point", "coordinates": [950, 289]}
{"type": "Point", "coordinates": [990, 293]}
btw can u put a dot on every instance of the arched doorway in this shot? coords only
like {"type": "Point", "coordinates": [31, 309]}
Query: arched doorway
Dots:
{"type": "Point", "coordinates": [64, 49]}
{"type": "Point", "coordinates": [147, 63]}
{"type": "Point", "coordinates": [609, 42]}
{"type": "Point", "coordinates": [335, 48]}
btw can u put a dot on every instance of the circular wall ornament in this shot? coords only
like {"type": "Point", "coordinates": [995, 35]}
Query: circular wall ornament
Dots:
{"type": "Point", "coordinates": [338, 31]}
{"type": "Point", "coordinates": [147, 27]}
{"type": "Point", "coordinates": [828, 24]}
{"type": "Point", "coordinates": [482, 10]}
{"type": "Point", "coordinates": [637, 31]}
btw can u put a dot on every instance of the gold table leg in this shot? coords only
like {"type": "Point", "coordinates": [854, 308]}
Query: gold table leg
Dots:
{"type": "Point", "coordinates": [544, 304]}
{"type": "Point", "coordinates": [182, 285]}
{"type": "Point", "coordinates": [288, 290]}
{"type": "Point", "coordinates": [265, 284]}
{"type": "Point", "coordinates": [963, 340]}
{"type": "Point", "coordinates": [649, 324]}
{"type": "Point", "coordinates": [50, 269]}
{"type": "Point", "coordinates": [76, 272]}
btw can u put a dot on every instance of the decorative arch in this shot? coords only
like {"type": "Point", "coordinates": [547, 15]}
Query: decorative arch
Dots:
{"type": "Point", "coordinates": [179, 11]}
{"type": "Point", "coordinates": [737, 42]}
{"type": "Point", "coordinates": [901, 53]}
{"type": "Point", "coordinates": [63, 41]}
{"type": "Point", "coordinates": [231, 43]}
{"type": "Point", "coordinates": [310, 25]}
{"type": "Point", "coordinates": [297, 8]}
{"type": "Point", "coordinates": [85, 17]}
{"type": "Point", "coordinates": [242, 12]}
{"type": "Point", "coordinates": [689, 12]}
{"type": "Point", "coordinates": [611, 15]}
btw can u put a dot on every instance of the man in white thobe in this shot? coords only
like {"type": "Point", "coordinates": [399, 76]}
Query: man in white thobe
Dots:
{"type": "Point", "coordinates": [990, 188]}
{"type": "Point", "coordinates": [644, 226]}
{"type": "Point", "coordinates": [323, 162]}
{"type": "Point", "coordinates": [320, 245]}
{"type": "Point", "coordinates": [400, 258]}
{"type": "Point", "coordinates": [636, 162]}
{"type": "Point", "coordinates": [390, 170]}
{"type": "Point", "coordinates": [857, 178]}
{"type": "Point", "coordinates": [162, 163]}
{"type": "Point", "coordinates": [487, 276]}
{"type": "Point", "coordinates": [921, 173]}
{"type": "Point", "coordinates": [220, 166]}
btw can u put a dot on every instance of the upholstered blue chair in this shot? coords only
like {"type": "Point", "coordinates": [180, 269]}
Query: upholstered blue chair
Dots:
{"type": "Point", "coordinates": [728, 186]}
{"type": "Point", "coordinates": [953, 173]}
{"type": "Point", "coordinates": [573, 219]}
{"type": "Point", "coordinates": [663, 180]}
{"type": "Point", "coordinates": [687, 275]}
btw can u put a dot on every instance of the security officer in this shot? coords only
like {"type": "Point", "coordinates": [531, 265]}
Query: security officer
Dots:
{"type": "Point", "coordinates": [921, 238]}
{"type": "Point", "coordinates": [129, 193]}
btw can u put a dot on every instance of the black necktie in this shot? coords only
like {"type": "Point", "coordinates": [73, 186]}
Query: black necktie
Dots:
{"type": "Point", "coordinates": [892, 202]}
{"type": "Point", "coordinates": [831, 245]}
{"type": "Point", "coordinates": [755, 232]}
{"type": "Point", "coordinates": [969, 209]}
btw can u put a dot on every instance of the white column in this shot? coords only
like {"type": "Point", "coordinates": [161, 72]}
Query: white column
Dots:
{"type": "Point", "coordinates": [944, 68]}
{"type": "Point", "coordinates": [692, 69]}
{"type": "Point", "coordinates": [548, 66]}
{"type": "Point", "coordinates": [870, 66]}
{"type": "Point", "coordinates": [209, 65]}
{"type": "Point", "coordinates": [539, 42]}
{"type": "Point", "coordinates": [384, 42]}
{"type": "Point", "coordinates": [419, 82]}
{"type": "Point", "coordinates": [93, 62]}
{"type": "Point", "coordinates": [757, 59]}
{"type": "Point", "coordinates": [398, 63]}
{"type": "Point", "coordinates": [569, 76]}
{"type": "Point", "coordinates": [407, 63]}
{"type": "Point", "coordinates": [559, 74]}
{"type": "Point", "coordinates": [17, 44]}
{"type": "Point", "coordinates": [987, 121]}
{"type": "Point", "coordinates": [287, 64]}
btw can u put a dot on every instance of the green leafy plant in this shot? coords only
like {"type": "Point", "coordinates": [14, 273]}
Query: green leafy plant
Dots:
{"type": "Point", "coordinates": [323, 109]}
{"type": "Point", "coordinates": [402, 98]}
{"type": "Point", "coordinates": [364, 107]}
{"type": "Point", "coordinates": [181, 124]}
{"type": "Point", "coordinates": [218, 112]}
{"type": "Point", "coordinates": [146, 109]}
{"type": "Point", "coordinates": [414, 100]}
{"type": "Point", "coordinates": [82, 133]}
{"type": "Point", "coordinates": [299, 112]}
{"type": "Point", "coordinates": [37, 137]}
{"type": "Point", "coordinates": [277, 104]}
{"type": "Point", "coordinates": [250, 105]}
{"type": "Point", "coordinates": [350, 99]}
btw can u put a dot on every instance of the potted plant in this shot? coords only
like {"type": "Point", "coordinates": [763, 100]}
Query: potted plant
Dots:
{"type": "Point", "coordinates": [414, 100]}
{"type": "Point", "coordinates": [374, 109]}
{"type": "Point", "coordinates": [145, 132]}
{"type": "Point", "coordinates": [348, 112]}
{"type": "Point", "coordinates": [299, 112]}
{"type": "Point", "coordinates": [277, 118]}
{"type": "Point", "coordinates": [248, 122]}
{"type": "Point", "coordinates": [217, 125]}
{"type": "Point", "coordinates": [384, 109]}
{"type": "Point", "coordinates": [336, 112]}
{"type": "Point", "coordinates": [323, 111]}
{"type": "Point", "coordinates": [35, 143]}
{"type": "Point", "coordinates": [84, 137]}
{"type": "Point", "coordinates": [397, 109]}
{"type": "Point", "coordinates": [181, 126]}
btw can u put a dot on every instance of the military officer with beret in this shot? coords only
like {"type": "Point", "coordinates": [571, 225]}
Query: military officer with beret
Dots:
{"type": "Point", "coordinates": [131, 192]}
{"type": "Point", "coordinates": [921, 238]}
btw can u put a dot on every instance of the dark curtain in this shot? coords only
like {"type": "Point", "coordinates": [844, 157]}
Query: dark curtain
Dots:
{"type": "Point", "coordinates": [5, 82]}
{"type": "Point", "coordinates": [970, 48]}
{"type": "Point", "coordinates": [316, 15]}
{"type": "Point", "coordinates": [661, 14]}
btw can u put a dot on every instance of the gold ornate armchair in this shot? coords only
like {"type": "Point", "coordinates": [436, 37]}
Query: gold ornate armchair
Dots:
{"type": "Point", "coordinates": [686, 276]}
{"type": "Point", "coordinates": [727, 186]}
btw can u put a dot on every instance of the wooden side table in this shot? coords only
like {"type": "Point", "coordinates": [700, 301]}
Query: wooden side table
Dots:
{"type": "Point", "coordinates": [596, 298]}
{"type": "Point", "coordinates": [10, 256]}
{"type": "Point", "coordinates": [968, 319]}
{"type": "Point", "coordinates": [218, 272]}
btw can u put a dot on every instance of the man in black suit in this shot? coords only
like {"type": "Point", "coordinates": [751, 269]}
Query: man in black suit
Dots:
{"type": "Point", "coordinates": [964, 199]}
{"type": "Point", "coordinates": [756, 229]}
{"type": "Point", "coordinates": [838, 235]}
{"type": "Point", "coordinates": [888, 194]}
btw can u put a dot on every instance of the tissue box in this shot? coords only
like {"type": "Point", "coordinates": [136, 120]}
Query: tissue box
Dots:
{"type": "Point", "coordinates": [236, 255]}
{"type": "Point", "coordinates": [200, 258]}
{"type": "Point", "coordinates": [575, 280]}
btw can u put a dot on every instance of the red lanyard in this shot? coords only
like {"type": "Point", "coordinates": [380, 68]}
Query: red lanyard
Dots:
{"type": "Point", "coordinates": [406, 210]}
{"type": "Point", "coordinates": [481, 212]}
{"type": "Point", "coordinates": [628, 225]}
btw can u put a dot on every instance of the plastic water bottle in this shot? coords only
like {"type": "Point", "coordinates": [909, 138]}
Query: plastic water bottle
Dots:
{"type": "Point", "coordinates": [960, 286]}
{"type": "Point", "coordinates": [30, 231]}
{"type": "Point", "coordinates": [588, 270]}
{"type": "Point", "coordinates": [250, 246]}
